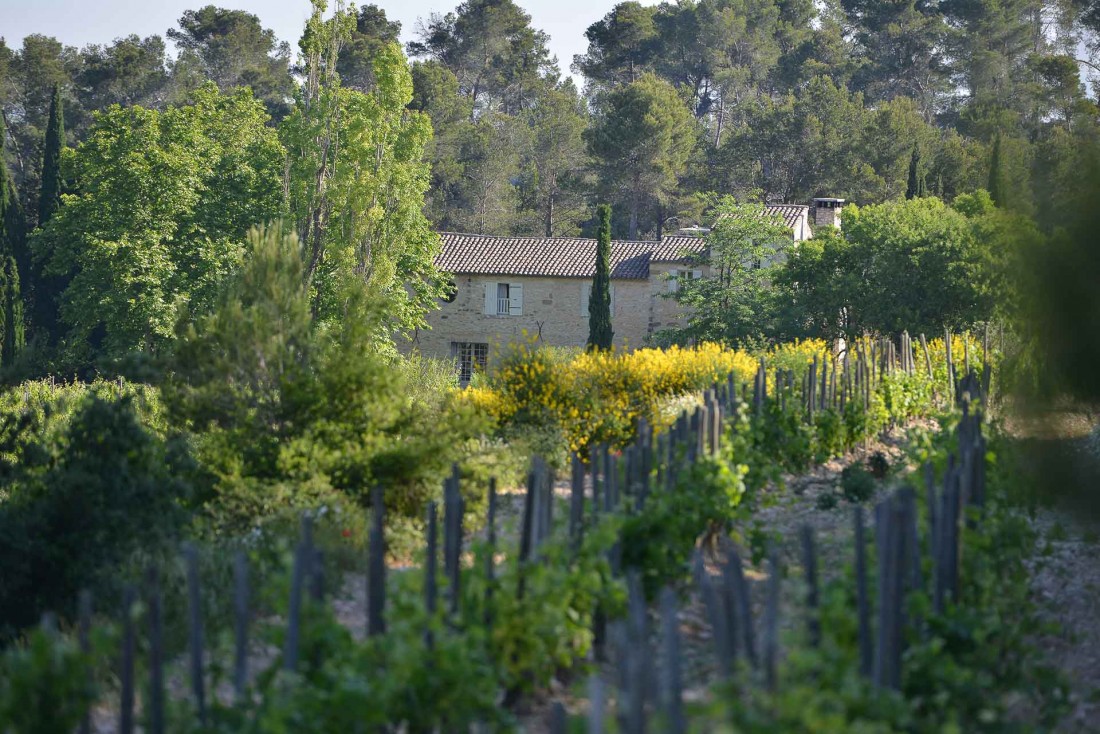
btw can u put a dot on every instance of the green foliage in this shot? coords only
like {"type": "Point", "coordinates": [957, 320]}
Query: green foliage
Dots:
{"type": "Point", "coordinates": [916, 187]}
{"type": "Point", "coordinates": [856, 484]}
{"type": "Point", "coordinates": [548, 628]}
{"type": "Point", "coordinates": [232, 49]}
{"type": "Point", "coordinates": [355, 182]}
{"type": "Point", "coordinates": [50, 198]}
{"type": "Point", "coordinates": [735, 303]}
{"type": "Point", "coordinates": [998, 182]}
{"type": "Point", "coordinates": [13, 325]}
{"type": "Point", "coordinates": [287, 412]}
{"type": "Point", "coordinates": [164, 201]}
{"type": "Point", "coordinates": [985, 641]}
{"type": "Point", "coordinates": [659, 541]}
{"type": "Point", "coordinates": [12, 249]}
{"type": "Point", "coordinates": [82, 499]}
{"type": "Point", "coordinates": [916, 264]}
{"type": "Point", "coordinates": [44, 683]}
{"type": "Point", "coordinates": [599, 303]}
{"type": "Point", "coordinates": [641, 139]}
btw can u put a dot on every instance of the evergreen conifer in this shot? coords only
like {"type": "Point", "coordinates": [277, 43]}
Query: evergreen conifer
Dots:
{"type": "Point", "coordinates": [600, 334]}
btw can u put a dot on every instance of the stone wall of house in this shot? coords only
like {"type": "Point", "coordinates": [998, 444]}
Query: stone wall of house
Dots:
{"type": "Point", "coordinates": [551, 311]}
{"type": "Point", "coordinates": [666, 313]}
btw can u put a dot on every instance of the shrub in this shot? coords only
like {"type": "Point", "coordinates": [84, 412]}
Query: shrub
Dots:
{"type": "Point", "coordinates": [288, 412]}
{"type": "Point", "coordinates": [659, 541]}
{"type": "Point", "coordinates": [44, 684]}
{"type": "Point", "coordinates": [856, 484]}
{"type": "Point", "coordinates": [878, 465]}
{"type": "Point", "coordinates": [80, 505]}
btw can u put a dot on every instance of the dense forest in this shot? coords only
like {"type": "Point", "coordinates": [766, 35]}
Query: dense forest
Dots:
{"type": "Point", "coordinates": [779, 100]}
{"type": "Point", "coordinates": [772, 101]}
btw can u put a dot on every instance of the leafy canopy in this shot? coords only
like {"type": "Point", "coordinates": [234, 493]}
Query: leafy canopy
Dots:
{"type": "Point", "coordinates": [164, 201]}
{"type": "Point", "coordinates": [735, 303]}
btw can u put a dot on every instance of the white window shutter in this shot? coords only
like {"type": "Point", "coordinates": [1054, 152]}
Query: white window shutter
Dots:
{"type": "Point", "coordinates": [696, 274]}
{"type": "Point", "coordinates": [490, 299]}
{"type": "Point", "coordinates": [673, 281]}
{"type": "Point", "coordinates": [515, 299]}
{"type": "Point", "coordinates": [586, 296]}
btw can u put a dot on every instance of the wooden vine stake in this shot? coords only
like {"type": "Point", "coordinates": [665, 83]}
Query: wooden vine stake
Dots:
{"type": "Point", "coordinates": [240, 614]}
{"type": "Point", "coordinates": [155, 714]}
{"type": "Point", "coordinates": [195, 641]}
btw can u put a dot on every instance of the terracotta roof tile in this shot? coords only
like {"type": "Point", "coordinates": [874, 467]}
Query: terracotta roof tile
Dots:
{"type": "Point", "coordinates": [560, 257]}
{"type": "Point", "coordinates": [675, 248]}
{"type": "Point", "coordinates": [790, 213]}
{"type": "Point", "coordinates": [568, 257]}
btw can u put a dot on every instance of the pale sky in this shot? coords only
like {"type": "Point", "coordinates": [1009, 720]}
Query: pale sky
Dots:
{"type": "Point", "coordinates": [80, 22]}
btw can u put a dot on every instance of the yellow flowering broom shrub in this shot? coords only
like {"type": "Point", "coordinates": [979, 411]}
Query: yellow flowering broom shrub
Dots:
{"type": "Point", "coordinates": [598, 397]}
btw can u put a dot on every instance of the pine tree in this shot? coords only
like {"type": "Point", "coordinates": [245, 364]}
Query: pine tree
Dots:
{"type": "Point", "coordinates": [600, 334]}
{"type": "Point", "coordinates": [50, 197]}
{"type": "Point", "coordinates": [917, 187]}
{"type": "Point", "coordinates": [998, 182]}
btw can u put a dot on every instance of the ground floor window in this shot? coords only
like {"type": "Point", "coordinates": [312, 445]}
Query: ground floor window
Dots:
{"type": "Point", "coordinates": [469, 356]}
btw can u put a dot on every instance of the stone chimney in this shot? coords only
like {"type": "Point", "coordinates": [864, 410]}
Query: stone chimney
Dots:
{"type": "Point", "coordinates": [827, 212]}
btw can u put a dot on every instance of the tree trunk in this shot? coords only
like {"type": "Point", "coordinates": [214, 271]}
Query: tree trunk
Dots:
{"type": "Point", "coordinates": [721, 120]}
{"type": "Point", "coordinates": [550, 215]}
{"type": "Point", "coordinates": [635, 205]}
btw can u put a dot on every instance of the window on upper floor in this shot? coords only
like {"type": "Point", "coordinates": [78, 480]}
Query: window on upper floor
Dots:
{"type": "Point", "coordinates": [675, 275]}
{"type": "Point", "coordinates": [503, 299]}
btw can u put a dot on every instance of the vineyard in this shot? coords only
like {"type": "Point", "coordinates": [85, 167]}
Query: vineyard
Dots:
{"type": "Point", "coordinates": [716, 366]}
{"type": "Point", "coordinates": [559, 606]}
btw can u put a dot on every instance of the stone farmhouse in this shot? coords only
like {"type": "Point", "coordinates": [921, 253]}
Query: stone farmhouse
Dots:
{"type": "Point", "coordinates": [514, 288]}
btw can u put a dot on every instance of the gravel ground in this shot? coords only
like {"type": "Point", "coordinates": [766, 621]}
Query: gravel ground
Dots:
{"type": "Point", "coordinates": [1066, 572]}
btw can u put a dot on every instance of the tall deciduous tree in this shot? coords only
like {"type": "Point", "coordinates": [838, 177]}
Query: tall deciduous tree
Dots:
{"type": "Point", "coordinates": [162, 204]}
{"type": "Point", "coordinates": [736, 302]}
{"type": "Point", "coordinates": [600, 334]}
{"type": "Point", "coordinates": [356, 176]}
{"type": "Point", "coordinates": [641, 141]}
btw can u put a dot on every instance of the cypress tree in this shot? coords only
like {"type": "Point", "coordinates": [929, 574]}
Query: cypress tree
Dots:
{"type": "Point", "coordinates": [998, 183]}
{"type": "Point", "coordinates": [14, 337]}
{"type": "Point", "coordinates": [917, 187]}
{"type": "Point", "coordinates": [600, 334]}
{"type": "Point", "coordinates": [50, 198]}
{"type": "Point", "coordinates": [12, 244]}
